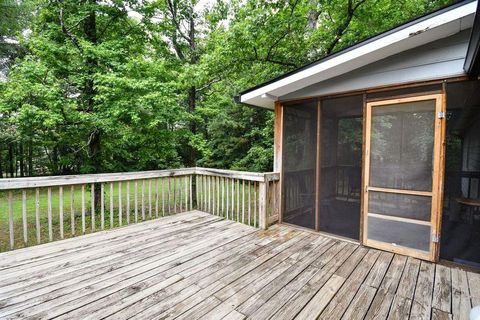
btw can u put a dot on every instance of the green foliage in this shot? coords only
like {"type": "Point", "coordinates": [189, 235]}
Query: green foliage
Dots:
{"type": "Point", "coordinates": [98, 90]}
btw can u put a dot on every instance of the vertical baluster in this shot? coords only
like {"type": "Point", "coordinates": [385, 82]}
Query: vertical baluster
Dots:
{"type": "Point", "coordinates": [92, 199]}
{"type": "Point", "coordinates": [191, 191]}
{"type": "Point", "coordinates": [200, 193]}
{"type": "Point", "coordinates": [49, 214]}
{"type": "Point", "coordinates": [135, 189]}
{"type": "Point", "coordinates": [102, 206]}
{"type": "Point", "coordinates": [211, 204]}
{"type": "Point", "coordinates": [205, 193]}
{"type": "Point", "coordinates": [249, 186]}
{"type": "Point", "coordinates": [180, 195]}
{"type": "Point", "coordinates": [197, 192]}
{"type": "Point", "coordinates": [24, 216]}
{"type": "Point", "coordinates": [60, 210]}
{"type": "Point", "coordinates": [156, 198]}
{"type": "Point", "coordinates": [186, 192]}
{"type": "Point", "coordinates": [212, 191]}
{"type": "Point", "coordinates": [212, 179]}
{"type": "Point", "coordinates": [217, 188]}
{"type": "Point", "coordinates": [233, 200]}
{"type": "Point", "coordinates": [143, 200]}
{"type": "Point", "coordinates": [174, 182]}
{"type": "Point", "coordinates": [111, 205]}
{"type": "Point", "coordinates": [10, 219]}
{"type": "Point", "coordinates": [120, 215]}
{"type": "Point", "coordinates": [274, 201]}
{"type": "Point", "coordinates": [127, 212]}
{"type": "Point", "coordinates": [243, 201]}
{"type": "Point", "coordinates": [168, 195]}
{"type": "Point", "coordinates": [222, 179]}
{"type": "Point", "coordinates": [227, 182]}
{"type": "Point", "coordinates": [83, 209]}
{"type": "Point", "coordinates": [255, 202]}
{"type": "Point", "coordinates": [150, 198]}
{"type": "Point", "coordinates": [163, 197]}
{"type": "Point", "coordinates": [238, 200]}
{"type": "Point", "coordinates": [72, 211]}
{"type": "Point", "coordinates": [37, 214]}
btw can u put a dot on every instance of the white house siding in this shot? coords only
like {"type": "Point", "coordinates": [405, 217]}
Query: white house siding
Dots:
{"type": "Point", "coordinates": [439, 59]}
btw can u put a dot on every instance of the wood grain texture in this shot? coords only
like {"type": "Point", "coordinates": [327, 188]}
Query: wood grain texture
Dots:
{"type": "Point", "coordinates": [196, 265]}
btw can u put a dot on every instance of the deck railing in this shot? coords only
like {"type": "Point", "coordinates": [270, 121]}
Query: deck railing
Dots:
{"type": "Point", "coordinates": [43, 209]}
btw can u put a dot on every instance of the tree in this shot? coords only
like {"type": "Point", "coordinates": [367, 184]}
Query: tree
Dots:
{"type": "Point", "coordinates": [98, 90]}
{"type": "Point", "coordinates": [91, 92]}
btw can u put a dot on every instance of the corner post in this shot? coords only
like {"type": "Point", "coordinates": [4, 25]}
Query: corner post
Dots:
{"type": "Point", "coordinates": [277, 159]}
{"type": "Point", "coordinates": [262, 204]}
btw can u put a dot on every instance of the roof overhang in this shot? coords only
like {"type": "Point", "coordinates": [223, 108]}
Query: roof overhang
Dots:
{"type": "Point", "coordinates": [429, 28]}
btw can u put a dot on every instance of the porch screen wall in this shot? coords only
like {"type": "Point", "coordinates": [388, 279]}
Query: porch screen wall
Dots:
{"type": "Point", "coordinates": [460, 238]}
{"type": "Point", "coordinates": [341, 165]}
{"type": "Point", "coordinates": [299, 163]}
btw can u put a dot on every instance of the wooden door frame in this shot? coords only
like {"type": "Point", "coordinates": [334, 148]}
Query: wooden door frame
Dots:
{"type": "Point", "coordinates": [437, 177]}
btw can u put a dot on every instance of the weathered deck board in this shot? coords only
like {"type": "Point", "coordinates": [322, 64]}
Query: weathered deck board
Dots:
{"type": "Point", "coordinates": [198, 266]}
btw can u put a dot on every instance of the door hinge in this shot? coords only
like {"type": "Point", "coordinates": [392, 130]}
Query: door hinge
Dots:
{"type": "Point", "coordinates": [434, 238]}
{"type": "Point", "coordinates": [441, 115]}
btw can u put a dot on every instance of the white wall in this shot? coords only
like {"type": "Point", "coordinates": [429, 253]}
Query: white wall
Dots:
{"type": "Point", "coordinates": [440, 59]}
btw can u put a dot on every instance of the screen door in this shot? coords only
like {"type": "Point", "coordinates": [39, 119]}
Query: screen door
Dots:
{"type": "Point", "coordinates": [402, 175]}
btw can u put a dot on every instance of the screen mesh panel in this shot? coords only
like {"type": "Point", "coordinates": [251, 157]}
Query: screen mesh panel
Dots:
{"type": "Point", "coordinates": [400, 205]}
{"type": "Point", "coordinates": [399, 233]}
{"type": "Point", "coordinates": [402, 146]}
{"type": "Point", "coordinates": [460, 239]}
{"type": "Point", "coordinates": [341, 165]}
{"type": "Point", "coordinates": [299, 163]}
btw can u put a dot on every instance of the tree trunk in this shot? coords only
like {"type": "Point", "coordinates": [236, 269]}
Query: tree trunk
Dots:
{"type": "Point", "coordinates": [1, 164]}
{"type": "Point", "coordinates": [95, 145]}
{"type": "Point", "coordinates": [192, 92]}
{"type": "Point", "coordinates": [192, 102]}
{"type": "Point", "coordinates": [22, 162]}
{"type": "Point", "coordinates": [30, 157]}
{"type": "Point", "coordinates": [55, 160]}
{"type": "Point", "coordinates": [11, 159]}
{"type": "Point", "coordinates": [313, 15]}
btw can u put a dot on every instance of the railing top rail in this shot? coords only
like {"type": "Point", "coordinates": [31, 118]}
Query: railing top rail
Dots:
{"type": "Point", "coordinates": [51, 181]}
{"type": "Point", "coordinates": [244, 175]}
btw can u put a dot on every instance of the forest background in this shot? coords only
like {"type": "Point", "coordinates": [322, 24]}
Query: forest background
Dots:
{"type": "Point", "coordinates": [91, 86]}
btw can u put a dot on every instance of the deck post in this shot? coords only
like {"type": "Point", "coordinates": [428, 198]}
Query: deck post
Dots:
{"type": "Point", "coordinates": [262, 205]}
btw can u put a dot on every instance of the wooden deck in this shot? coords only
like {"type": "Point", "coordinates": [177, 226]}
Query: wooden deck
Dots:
{"type": "Point", "coordinates": [198, 266]}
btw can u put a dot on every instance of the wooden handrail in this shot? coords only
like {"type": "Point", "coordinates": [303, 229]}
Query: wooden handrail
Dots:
{"type": "Point", "coordinates": [67, 180]}
{"type": "Point", "coordinates": [51, 181]}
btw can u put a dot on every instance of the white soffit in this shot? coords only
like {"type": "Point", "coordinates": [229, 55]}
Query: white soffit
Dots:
{"type": "Point", "coordinates": [428, 30]}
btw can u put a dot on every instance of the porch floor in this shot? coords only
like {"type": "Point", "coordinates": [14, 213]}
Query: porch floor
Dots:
{"type": "Point", "coordinates": [196, 265]}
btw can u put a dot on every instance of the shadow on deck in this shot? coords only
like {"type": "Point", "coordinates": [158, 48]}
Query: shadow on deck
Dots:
{"type": "Point", "coordinates": [195, 265]}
